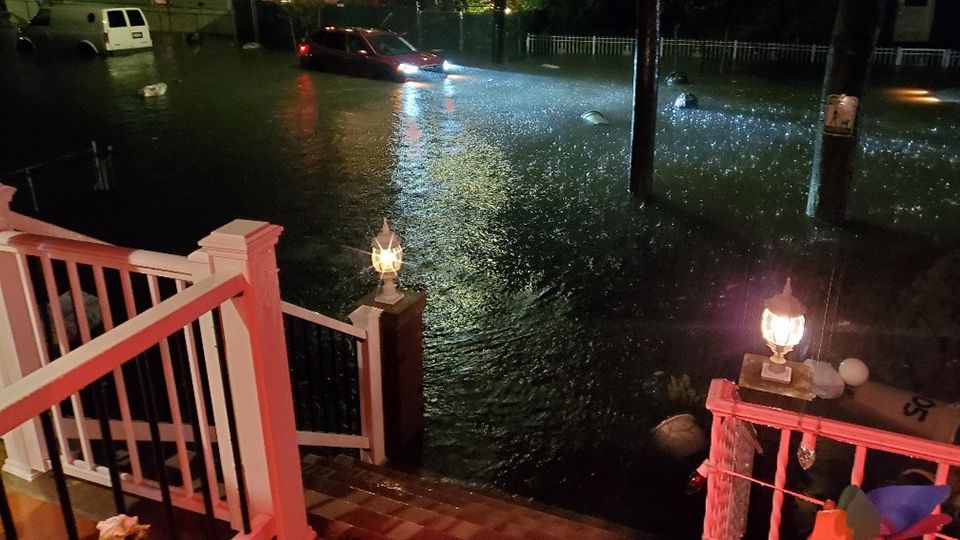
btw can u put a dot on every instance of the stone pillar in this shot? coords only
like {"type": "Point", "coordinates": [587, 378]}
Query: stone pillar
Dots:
{"type": "Point", "coordinates": [19, 355]}
{"type": "Point", "coordinates": [401, 346]}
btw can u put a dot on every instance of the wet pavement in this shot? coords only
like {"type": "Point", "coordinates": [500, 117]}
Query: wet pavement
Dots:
{"type": "Point", "coordinates": [558, 308]}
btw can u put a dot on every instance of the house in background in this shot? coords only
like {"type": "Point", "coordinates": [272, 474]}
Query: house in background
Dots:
{"type": "Point", "coordinates": [930, 22]}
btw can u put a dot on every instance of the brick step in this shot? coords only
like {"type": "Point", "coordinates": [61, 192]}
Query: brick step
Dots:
{"type": "Point", "coordinates": [456, 504]}
{"type": "Point", "coordinates": [490, 506]}
{"type": "Point", "coordinates": [368, 520]}
{"type": "Point", "coordinates": [331, 529]}
{"type": "Point", "coordinates": [385, 501]}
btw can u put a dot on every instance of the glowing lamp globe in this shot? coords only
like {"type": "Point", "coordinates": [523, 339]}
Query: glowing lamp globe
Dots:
{"type": "Point", "coordinates": [782, 328]}
{"type": "Point", "coordinates": [386, 254]}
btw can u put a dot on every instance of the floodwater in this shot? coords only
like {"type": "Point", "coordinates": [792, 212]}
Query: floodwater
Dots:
{"type": "Point", "coordinates": [558, 308]}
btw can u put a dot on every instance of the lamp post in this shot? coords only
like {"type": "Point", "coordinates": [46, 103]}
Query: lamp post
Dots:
{"type": "Point", "coordinates": [386, 253]}
{"type": "Point", "coordinates": [782, 328]}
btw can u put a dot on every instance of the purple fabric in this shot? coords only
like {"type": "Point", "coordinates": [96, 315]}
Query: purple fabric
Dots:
{"type": "Point", "coordinates": [904, 506]}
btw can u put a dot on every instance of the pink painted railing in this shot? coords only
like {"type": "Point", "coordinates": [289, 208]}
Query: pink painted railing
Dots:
{"type": "Point", "coordinates": [729, 449]}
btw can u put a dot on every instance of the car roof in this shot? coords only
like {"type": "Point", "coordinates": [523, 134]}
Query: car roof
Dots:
{"type": "Point", "coordinates": [359, 29]}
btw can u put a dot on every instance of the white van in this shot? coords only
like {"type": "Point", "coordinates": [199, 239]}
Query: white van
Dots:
{"type": "Point", "coordinates": [86, 29]}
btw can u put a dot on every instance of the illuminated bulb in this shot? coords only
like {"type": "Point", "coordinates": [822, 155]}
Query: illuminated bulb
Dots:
{"type": "Point", "coordinates": [782, 327]}
{"type": "Point", "coordinates": [386, 255]}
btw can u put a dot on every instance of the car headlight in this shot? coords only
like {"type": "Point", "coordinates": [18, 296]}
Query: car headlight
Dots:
{"type": "Point", "coordinates": [447, 66]}
{"type": "Point", "coordinates": [407, 69]}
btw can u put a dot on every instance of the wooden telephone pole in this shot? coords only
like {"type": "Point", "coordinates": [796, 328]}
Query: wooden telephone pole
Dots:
{"type": "Point", "coordinates": [499, 28]}
{"type": "Point", "coordinates": [848, 64]}
{"type": "Point", "coordinates": [644, 128]}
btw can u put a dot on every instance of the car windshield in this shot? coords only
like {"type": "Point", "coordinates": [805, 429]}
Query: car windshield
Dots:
{"type": "Point", "coordinates": [390, 44]}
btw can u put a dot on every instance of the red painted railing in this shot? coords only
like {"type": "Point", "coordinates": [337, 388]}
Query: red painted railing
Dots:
{"type": "Point", "coordinates": [732, 449]}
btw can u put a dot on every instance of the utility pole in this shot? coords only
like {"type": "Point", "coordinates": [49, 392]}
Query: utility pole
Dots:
{"type": "Point", "coordinates": [848, 64]}
{"type": "Point", "coordinates": [644, 129]}
{"type": "Point", "coordinates": [499, 28]}
{"type": "Point", "coordinates": [255, 21]}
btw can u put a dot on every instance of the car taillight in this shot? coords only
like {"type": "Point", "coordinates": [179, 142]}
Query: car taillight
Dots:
{"type": "Point", "coordinates": [106, 37]}
{"type": "Point", "coordinates": [303, 49]}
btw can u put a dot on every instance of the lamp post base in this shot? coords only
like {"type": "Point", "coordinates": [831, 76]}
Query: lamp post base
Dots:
{"type": "Point", "coordinates": [801, 378]}
{"type": "Point", "coordinates": [776, 372]}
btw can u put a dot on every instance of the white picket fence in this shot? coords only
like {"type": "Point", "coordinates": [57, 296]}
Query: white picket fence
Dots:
{"type": "Point", "coordinates": [745, 51]}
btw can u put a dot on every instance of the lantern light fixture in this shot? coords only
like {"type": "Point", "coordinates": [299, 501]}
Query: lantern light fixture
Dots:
{"type": "Point", "coordinates": [782, 327]}
{"type": "Point", "coordinates": [386, 254]}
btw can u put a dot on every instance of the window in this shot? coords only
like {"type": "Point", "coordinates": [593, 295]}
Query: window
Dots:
{"type": "Point", "coordinates": [336, 40]}
{"type": "Point", "coordinates": [136, 18]}
{"type": "Point", "coordinates": [915, 3]}
{"type": "Point", "coordinates": [116, 19]}
{"type": "Point", "coordinates": [390, 45]}
{"type": "Point", "coordinates": [42, 18]}
{"type": "Point", "coordinates": [356, 43]}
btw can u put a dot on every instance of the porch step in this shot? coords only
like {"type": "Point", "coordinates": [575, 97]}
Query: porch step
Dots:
{"type": "Point", "coordinates": [352, 499]}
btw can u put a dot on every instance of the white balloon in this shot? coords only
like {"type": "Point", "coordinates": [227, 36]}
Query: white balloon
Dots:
{"type": "Point", "coordinates": [854, 372]}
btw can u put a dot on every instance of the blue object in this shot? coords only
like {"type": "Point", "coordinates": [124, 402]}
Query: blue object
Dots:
{"type": "Point", "coordinates": [904, 506]}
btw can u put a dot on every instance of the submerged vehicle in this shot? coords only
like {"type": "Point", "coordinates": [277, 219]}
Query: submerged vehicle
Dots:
{"type": "Point", "coordinates": [367, 52]}
{"type": "Point", "coordinates": [86, 29]}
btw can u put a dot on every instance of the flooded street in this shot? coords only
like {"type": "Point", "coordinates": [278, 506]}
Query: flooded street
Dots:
{"type": "Point", "coordinates": [558, 309]}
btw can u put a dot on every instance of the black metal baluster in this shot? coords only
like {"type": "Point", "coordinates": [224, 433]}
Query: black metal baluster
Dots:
{"type": "Point", "coordinates": [328, 352]}
{"type": "Point", "coordinates": [330, 387]}
{"type": "Point", "coordinates": [59, 478]}
{"type": "Point", "coordinates": [300, 381]}
{"type": "Point", "coordinates": [232, 424]}
{"type": "Point", "coordinates": [315, 391]}
{"type": "Point", "coordinates": [150, 411]}
{"type": "Point", "coordinates": [340, 372]}
{"type": "Point", "coordinates": [353, 381]}
{"type": "Point", "coordinates": [192, 416]}
{"type": "Point", "coordinates": [6, 516]}
{"type": "Point", "coordinates": [108, 449]}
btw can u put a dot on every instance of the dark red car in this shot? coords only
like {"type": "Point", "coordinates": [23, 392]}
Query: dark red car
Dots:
{"type": "Point", "coordinates": [367, 52]}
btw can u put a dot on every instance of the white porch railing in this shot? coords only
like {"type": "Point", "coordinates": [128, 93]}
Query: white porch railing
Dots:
{"type": "Point", "coordinates": [736, 50]}
{"type": "Point", "coordinates": [221, 306]}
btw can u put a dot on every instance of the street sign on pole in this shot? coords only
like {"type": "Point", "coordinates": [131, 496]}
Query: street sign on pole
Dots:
{"type": "Point", "coordinates": [840, 115]}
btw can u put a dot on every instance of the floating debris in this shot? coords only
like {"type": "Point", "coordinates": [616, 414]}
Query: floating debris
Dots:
{"type": "Point", "coordinates": [594, 118]}
{"type": "Point", "coordinates": [153, 90]}
{"type": "Point", "coordinates": [251, 45]}
{"type": "Point", "coordinates": [687, 100]}
{"type": "Point", "coordinates": [679, 436]}
{"type": "Point", "coordinates": [550, 66]}
{"type": "Point", "coordinates": [677, 77]}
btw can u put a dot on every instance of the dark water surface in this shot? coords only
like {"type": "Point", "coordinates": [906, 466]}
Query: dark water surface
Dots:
{"type": "Point", "coordinates": [558, 309]}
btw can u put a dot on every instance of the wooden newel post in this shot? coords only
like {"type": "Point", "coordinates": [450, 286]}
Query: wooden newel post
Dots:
{"type": "Point", "coordinates": [256, 354]}
{"type": "Point", "coordinates": [401, 366]}
{"type": "Point", "coordinates": [19, 355]}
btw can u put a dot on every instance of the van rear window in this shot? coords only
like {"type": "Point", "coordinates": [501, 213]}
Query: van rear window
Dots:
{"type": "Point", "coordinates": [136, 18]}
{"type": "Point", "coordinates": [42, 18]}
{"type": "Point", "coordinates": [115, 18]}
